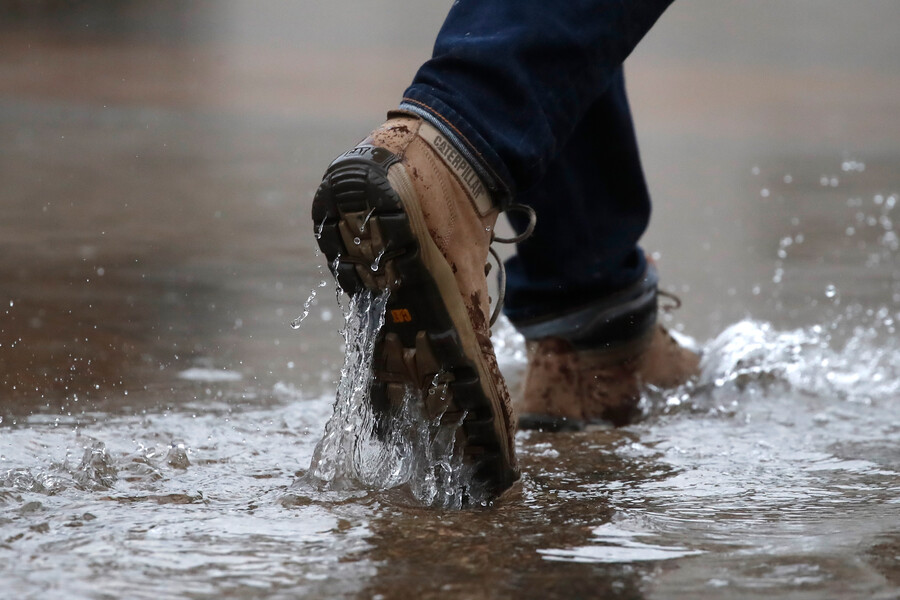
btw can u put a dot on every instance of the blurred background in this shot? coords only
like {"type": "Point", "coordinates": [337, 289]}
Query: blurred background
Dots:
{"type": "Point", "coordinates": [158, 159]}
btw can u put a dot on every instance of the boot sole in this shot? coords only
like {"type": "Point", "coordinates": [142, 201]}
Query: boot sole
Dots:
{"type": "Point", "coordinates": [380, 235]}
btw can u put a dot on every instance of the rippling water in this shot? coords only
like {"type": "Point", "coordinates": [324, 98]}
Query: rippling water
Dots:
{"type": "Point", "coordinates": [776, 470]}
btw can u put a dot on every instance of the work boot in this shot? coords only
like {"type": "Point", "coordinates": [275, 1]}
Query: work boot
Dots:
{"type": "Point", "coordinates": [405, 211]}
{"type": "Point", "coordinates": [589, 366]}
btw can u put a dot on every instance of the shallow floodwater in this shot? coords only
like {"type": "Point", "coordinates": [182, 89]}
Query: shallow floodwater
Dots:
{"type": "Point", "coordinates": [778, 470]}
{"type": "Point", "coordinates": [159, 415]}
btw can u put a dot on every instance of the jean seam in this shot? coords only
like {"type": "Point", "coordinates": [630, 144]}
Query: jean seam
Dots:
{"type": "Point", "coordinates": [433, 111]}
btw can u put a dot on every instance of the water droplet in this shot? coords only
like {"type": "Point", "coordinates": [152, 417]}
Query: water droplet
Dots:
{"type": "Point", "coordinates": [357, 241]}
{"type": "Point", "coordinates": [319, 229]}
{"type": "Point", "coordinates": [830, 291]}
{"type": "Point", "coordinates": [377, 260]}
{"type": "Point", "coordinates": [295, 324]}
{"type": "Point", "coordinates": [362, 226]}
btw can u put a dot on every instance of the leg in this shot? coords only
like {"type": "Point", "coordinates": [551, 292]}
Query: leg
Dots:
{"type": "Point", "coordinates": [593, 206]}
{"type": "Point", "coordinates": [511, 81]}
{"type": "Point", "coordinates": [580, 288]}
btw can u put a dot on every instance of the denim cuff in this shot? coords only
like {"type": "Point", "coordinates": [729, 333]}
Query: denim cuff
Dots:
{"type": "Point", "coordinates": [612, 320]}
{"type": "Point", "coordinates": [465, 139]}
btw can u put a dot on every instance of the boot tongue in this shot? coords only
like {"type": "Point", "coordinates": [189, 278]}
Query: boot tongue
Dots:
{"type": "Point", "coordinates": [460, 167]}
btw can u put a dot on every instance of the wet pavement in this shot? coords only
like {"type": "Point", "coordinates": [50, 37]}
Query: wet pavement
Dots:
{"type": "Point", "coordinates": [157, 165]}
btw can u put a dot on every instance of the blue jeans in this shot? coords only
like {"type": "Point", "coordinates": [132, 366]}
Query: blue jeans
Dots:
{"type": "Point", "coordinates": [533, 92]}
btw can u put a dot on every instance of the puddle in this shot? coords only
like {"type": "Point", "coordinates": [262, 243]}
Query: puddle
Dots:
{"type": "Point", "coordinates": [157, 411]}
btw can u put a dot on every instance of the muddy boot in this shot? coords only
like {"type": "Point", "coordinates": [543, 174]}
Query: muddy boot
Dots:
{"type": "Point", "coordinates": [404, 211]}
{"type": "Point", "coordinates": [588, 367]}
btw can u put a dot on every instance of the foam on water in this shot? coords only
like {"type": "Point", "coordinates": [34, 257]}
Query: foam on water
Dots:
{"type": "Point", "coordinates": [811, 360]}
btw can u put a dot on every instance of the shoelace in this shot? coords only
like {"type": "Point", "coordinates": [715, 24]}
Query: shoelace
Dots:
{"type": "Point", "coordinates": [676, 301]}
{"type": "Point", "coordinates": [674, 304]}
{"type": "Point", "coordinates": [501, 283]}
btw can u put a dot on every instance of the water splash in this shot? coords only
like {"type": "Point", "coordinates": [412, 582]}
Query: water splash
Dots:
{"type": "Point", "coordinates": [509, 347]}
{"type": "Point", "coordinates": [33, 480]}
{"type": "Point", "coordinates": [812, 361]}
{"type": "Point", "coordinates": [404, 447]}
{"type": "Point", "coordinates": [333, 458]}
{"type": "Point", "coordinates": [96, 471]}
{"type": "Point", "coordinates": [295, 323]}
